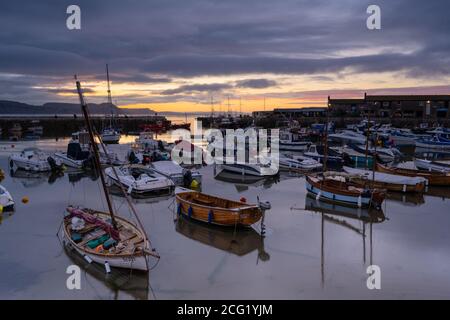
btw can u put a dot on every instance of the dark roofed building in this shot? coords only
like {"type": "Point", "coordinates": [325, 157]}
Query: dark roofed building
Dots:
{"type": "Point", "coordinates": [393, 106]}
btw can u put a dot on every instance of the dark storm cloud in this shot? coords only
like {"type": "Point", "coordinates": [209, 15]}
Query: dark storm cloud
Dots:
{"type": "Point", "coordinates": [211, 87]}
{"type": "Point", "coordinates": [154, 41]}
{"type": "Point", "coordinates": [256, 83]}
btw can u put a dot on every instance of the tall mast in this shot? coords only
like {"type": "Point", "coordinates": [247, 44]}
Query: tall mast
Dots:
{"type": "Point", "coordinates": [325, 143]}
{"type": "Point", "coordinates": [109, 95]}
{"type": "Point", "coordinates": [367, 132]}
{"type": "Point", "coordinates": [240, 106]}
{"type": "Point", "coordinates": [84, 108]}
{"type": "Point", "coordinates": [212, 111]}
{"type": "Point", "coordinates": [228, 98]}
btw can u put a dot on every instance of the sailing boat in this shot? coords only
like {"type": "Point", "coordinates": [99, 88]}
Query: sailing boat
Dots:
{"type": "Point", "coordinates": [110, 134]}
{"type": "Point", "coordinates": [337, 189]}
{"type": "Point", "coordinates": [102, 237]}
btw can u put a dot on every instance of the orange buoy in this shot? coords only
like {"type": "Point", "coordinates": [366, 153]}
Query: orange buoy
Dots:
{"type": "Point", "coordinates": [25, 199]}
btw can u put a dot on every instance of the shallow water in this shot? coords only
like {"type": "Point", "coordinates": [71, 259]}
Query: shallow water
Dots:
{"type": "Point", "coordinates": [304, 254]}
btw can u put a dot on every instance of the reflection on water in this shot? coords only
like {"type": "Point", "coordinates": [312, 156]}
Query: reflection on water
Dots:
{"type": "Point", "coordinates": [243, 183]}
{"type": "Point", "coordinates": [33, 179]}
{"type": "Point", "coordinates": [132, 282]}
{"type": "Point", "coordinates": [240, 242]}
{"type": "Point", "coordinates": [407, 199]}
{"type": "Point", "coordinates": [345, 217]}
{"type": "Point", "coordinates": [327, 244]}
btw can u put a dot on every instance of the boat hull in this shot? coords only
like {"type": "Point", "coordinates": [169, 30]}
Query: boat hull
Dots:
{"type": "Point", "coordinates": [334, 195]}
{"type": "Point", "coordinates": [128, 261]}
{"type": "Point", "coordinates": [62, 156]}
{"type": "Point", "coordinates": [244, 216]}
{"type": "Point", "coordinates": [433, 178]}
{"type": "Point", "coordinates": [27, 165]}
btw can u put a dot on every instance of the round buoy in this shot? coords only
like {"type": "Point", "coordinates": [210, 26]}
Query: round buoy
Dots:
{"type": "Point", "coordinates": [25, 199]}
{"type": "Point", "coordinates": [194, 184]}
{"type": "Point", "coordinates": [243, 199]}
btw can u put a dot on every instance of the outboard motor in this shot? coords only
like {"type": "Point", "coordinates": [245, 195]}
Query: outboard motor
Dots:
{"type": "Point", "coordinates": [132, 158]}
{"type": "Point", "coordinates": [160, 145]}
{"type": "Point", "coordinates": [187, 178]}
{"type": "Point", "coordinates": [53, 165]}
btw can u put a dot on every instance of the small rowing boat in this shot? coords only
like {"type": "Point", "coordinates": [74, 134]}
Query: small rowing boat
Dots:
{"type": "Point", "coordinates": [433, 178]}
{"type": "Point", "coordinates": [386, 181]}
{"type": "Point", "coordinates": [338, 190]}
{"type": "Point", "coordinates": [214, 210]}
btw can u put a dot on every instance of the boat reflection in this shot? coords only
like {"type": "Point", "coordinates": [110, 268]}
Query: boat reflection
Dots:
{"type": "Point", "coordinates": [332, 213]}
{"type": "Point", "coordinates": [438, 192]}
{"type": "Point", "coordinates": [134, 283]}
{"type": "Point", "coordinates": [5, 215]}
{"type": "Point", "coordinates": [76, 176]}
{"type": "Point", "coordinates": [31, 179]}
{"type": "Point", "coordinates": [117, 195]}
{"type": "Point", "coordinates": [239, 243]}
{"type": "Point", "coordinates": [408, 199]}
{"type": "Point", "coordinates": [366, 215]}
{"type": "Point", "coordinates": [243, 183]}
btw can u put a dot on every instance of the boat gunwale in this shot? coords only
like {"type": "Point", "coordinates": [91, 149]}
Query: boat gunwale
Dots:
{"type": "Point", "coordinates": [99, 254]}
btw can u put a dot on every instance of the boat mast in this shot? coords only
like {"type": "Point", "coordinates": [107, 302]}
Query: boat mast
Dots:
{"type": "Point", "coordinates": [325, 143]}
{"type": "Point", "coordinates": [367, 133]}
{"type": "Point", "coordinates": [84, 108]}
{"type": "Point", "coordinates": [109, 95]}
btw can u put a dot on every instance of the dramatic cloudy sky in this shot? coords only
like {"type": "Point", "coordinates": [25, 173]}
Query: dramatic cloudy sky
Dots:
{"type": "Point", "coordinates": [175, 55]}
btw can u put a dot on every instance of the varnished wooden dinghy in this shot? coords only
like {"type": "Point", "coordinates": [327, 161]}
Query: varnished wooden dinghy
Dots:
{"type": "Point", "coordinates": [214, 210]}
{"type": "Point", "coordinates": [433, 178]}
{"type": "Point", "coordinates": [342, 192]}
{"type": "Point", "coordinates": [125, 247]}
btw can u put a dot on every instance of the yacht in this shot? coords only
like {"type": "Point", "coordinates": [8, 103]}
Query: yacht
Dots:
{"type": "Point", "coordinates": [347, 136]}
{"type": "Point", "coordinates": [292, 140]}
{"type": "Point", "coordinates": [140, 181]}
{"type": "Point", "coordinates": [33, 159]}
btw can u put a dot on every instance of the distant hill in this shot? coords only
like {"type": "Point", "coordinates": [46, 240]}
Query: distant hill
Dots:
{"type": "Point", "coordinates": [13, 107]}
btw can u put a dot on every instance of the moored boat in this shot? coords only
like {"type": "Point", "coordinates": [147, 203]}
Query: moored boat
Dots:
{"type": "Point", "coordinates": [6, 200]}
{"type": "Point", "coordinates": [386, 181]}
{"type": "Point", "coordinates": [103, 237]}
{"type": "Point", "coordinates": [298, 163]}
{"type": "Point", "coordinates": [214, 210]}
{"type": "Point", "coordinates": [435, 142]}
{"type": "Point", "coordinates": [338, 190]}
{"type": "Point", "coordinates": [433, 178]}
{"type": "Point", "coordinates": [140, 181]}
{"type": "Point", "coordinates": [33, 159]}
{"type": "Point", "coordinates": [429, 165]}
{"type": "Point", "coordinates": [179, 175]}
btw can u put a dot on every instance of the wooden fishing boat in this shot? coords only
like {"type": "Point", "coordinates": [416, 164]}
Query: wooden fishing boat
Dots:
{"type": "Point", "coordinates": [433, 178]}
{"type": "Point", "coordinates": [130, 249]}
{"type": "Point", "coordinates": [101, 237]}
{"type": "Point", "coordinates": [214, 210]}
{"type": "Point", "coordinates": [390, 182]}
{"type": "Point", "coordinates": [332, 189]}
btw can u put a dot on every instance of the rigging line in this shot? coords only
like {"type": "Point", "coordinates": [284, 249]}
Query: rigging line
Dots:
{"type": "Point", "coordinates": [141, 226]}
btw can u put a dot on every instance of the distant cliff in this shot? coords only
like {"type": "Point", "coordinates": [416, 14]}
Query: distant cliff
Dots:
{"type": "Point", "coordinates": [13, 107]}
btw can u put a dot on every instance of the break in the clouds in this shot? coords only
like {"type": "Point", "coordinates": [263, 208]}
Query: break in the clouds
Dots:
{"type": "Point", "coordinates": [172, 50]}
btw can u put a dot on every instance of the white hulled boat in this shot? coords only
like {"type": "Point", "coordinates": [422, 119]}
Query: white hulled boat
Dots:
{"type": "Point", "coordinates": [32, 159]}
{"type": "Point", "coordinates": [6, 201]}
{"type": "Point", "coordinates": [140, 181]}
{"type": "Point", "coordinates": [179, 175]}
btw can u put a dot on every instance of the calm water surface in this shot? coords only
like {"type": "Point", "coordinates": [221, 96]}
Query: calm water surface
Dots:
{"type": "Point", "coordinates": [310, 250]}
